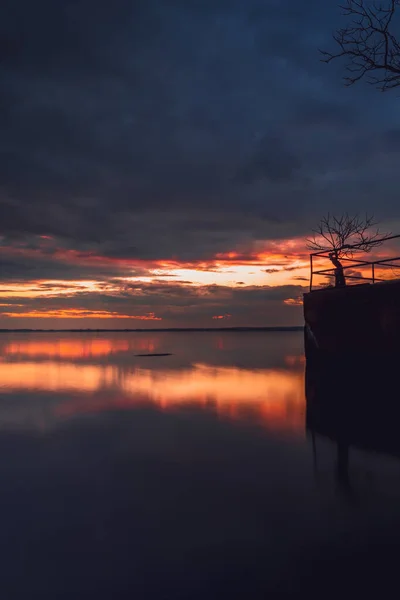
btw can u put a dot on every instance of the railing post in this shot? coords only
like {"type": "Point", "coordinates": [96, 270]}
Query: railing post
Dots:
{"type": "Point", "coordinates": [311, 271]}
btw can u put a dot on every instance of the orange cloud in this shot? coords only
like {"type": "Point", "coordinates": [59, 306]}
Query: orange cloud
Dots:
{"type": "Point", "coordinates": [49, 288]}
{"type": "Point", "coordinates": [70, 313]}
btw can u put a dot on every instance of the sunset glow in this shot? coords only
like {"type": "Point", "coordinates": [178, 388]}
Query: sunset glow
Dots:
{"type": "Point", "coordinates": [124, 289]}
{"type": "Point", "coordinates": [176, 293]}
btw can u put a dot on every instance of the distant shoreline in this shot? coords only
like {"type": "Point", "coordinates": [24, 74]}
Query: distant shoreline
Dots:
{"type": "Point", "coordinates": [170, 330]}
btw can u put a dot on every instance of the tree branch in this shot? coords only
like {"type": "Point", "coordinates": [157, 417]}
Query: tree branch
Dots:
{"type": "Point", "coordinates": [344, 235]}
{"type": "Point", "coordinates": [369, 44]}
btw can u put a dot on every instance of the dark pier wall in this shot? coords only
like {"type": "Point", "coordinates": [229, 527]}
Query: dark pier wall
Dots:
{"type": "Point", "coordinates": [361, 318]}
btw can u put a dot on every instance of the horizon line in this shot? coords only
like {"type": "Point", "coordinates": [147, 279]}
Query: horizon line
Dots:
{"type": "Point", "coordinates": [159, 330]}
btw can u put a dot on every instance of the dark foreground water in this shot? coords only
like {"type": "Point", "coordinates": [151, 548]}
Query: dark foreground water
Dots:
{"type": "Point", "coordinates": [183, 476]}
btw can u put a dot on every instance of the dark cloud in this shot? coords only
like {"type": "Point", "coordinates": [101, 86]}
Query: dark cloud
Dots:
{"type": "Point", "coordinates": [322, 113]}
{"type": "Point", "coordinates": [272, 161]}
{"type": "Point", "coordinates": [180, 129]}
{"type": "Point", "coordinates": [31, 258]}
{"type": "Point", "coordinates": [189, 108]}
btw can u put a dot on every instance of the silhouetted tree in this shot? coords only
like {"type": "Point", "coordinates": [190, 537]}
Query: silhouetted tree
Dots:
{"type": "Point", "coordinates": [369, 43]}
{"type": "Point", "coordinates": [342, 237]}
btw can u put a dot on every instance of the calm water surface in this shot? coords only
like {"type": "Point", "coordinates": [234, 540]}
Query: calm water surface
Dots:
{"type": "Point", "coordinates": [182, 476]}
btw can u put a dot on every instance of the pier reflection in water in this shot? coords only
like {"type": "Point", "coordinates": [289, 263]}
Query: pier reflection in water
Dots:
{"type": "Point", "coordinates": [356, 404]}
{"type": "Point", "coordinates": [353, 403]}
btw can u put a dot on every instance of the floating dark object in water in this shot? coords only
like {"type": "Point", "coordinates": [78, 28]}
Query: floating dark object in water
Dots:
{"type": "Point", "coordinates": [161, 354]}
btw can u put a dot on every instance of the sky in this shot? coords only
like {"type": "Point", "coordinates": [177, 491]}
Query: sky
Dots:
{"type": "Point", "coordinates": [163, 161]}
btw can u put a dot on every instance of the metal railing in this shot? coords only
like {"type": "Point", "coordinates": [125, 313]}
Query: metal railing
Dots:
{"type": "Point", "coordinates": [393, 262]}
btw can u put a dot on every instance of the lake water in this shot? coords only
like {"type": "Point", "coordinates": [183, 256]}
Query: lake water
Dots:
{"type": "Point", "coordinates": [183, 476]}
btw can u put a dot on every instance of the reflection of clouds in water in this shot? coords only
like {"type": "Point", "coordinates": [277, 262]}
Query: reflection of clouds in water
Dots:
{"type": "Point", "coordinates": [74, 348]}
{"type": "Point", "coordinates": [249, 349]}
{"type": "Point", "coordinates": [275, 396]}
{"type": "Point", "coordinates": [293, 361]}
{"type": "Point", "coordinates": [56, 374]}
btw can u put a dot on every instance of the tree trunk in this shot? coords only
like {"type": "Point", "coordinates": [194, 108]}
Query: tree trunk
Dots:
{"type": "Point", "coordinates": [340, 280]}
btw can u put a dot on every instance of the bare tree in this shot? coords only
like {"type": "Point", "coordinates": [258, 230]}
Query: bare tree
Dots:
{"type": "Point", "coordinates": [341, 237]}
{"type": "Point", "coordinates": [369, 43]}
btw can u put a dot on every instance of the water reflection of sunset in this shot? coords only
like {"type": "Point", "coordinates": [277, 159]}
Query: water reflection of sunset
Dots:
{"type": "Point", "coordinates": [269, 396]}
{"type": "Point", "coordinates": [74, 347]}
